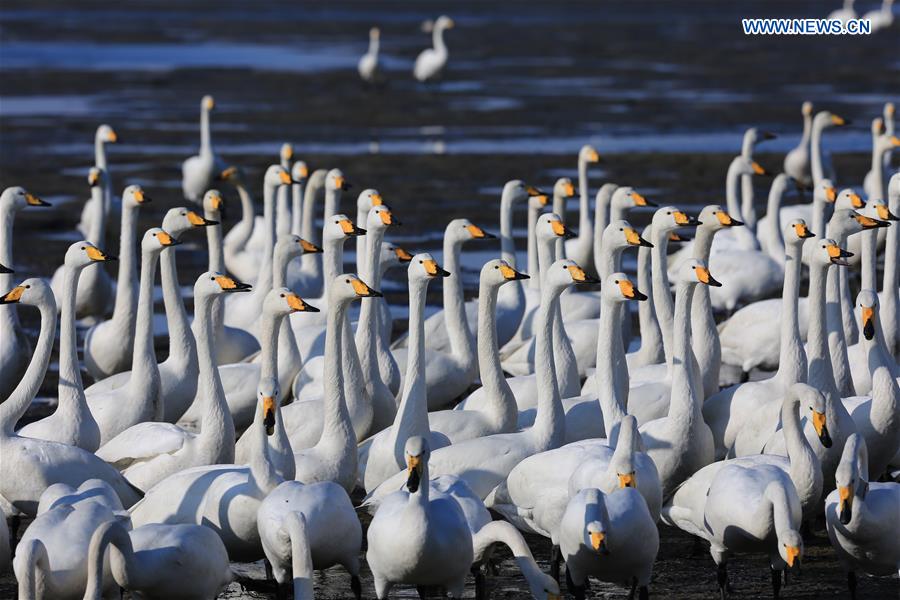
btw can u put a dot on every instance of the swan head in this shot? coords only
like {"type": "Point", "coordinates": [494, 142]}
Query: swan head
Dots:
{"type": "Point", "coordinates": [790, 547]}
{"type": "Point", "coordinates": [180, 219]}
{"type": "Point", "coordinates": [813, 401]}
{"type": "Point", "coordinates": [444, 22]}
{"type": "Point", "coordinates": [83, 253]}
{"type": "Point", "coordinates": [888, 111]}
{"type": "Point", "coordinates": [538, 203]}
{"type": "Point", "coordinates": [292, 246]}
{"type": "Point", "coordinates": [286, 153]}
{"type": "Point", "coordinates": [827, 252]}
{"type": "Point", "coordinates": [807, 109]}
{"type": "Point", "coordinates": [134, 196]}
{"type": "Point", "coordinates": [796, 231]}
{"type": "Point", "coordinates": [716, 218]}
{"type": "Point", "coordinates": [550, 226]}
{"type": "Point", "coordinates": [156, 240]}
{"type": "Point", "coordinates": [393, 256]}
{"type": "Point", "coordinates": [622, 235]}
{"type": "Point", "coordinates": [339, 228]}
{"type": "Point", "coordinates": [825, 192]}
{"type": "Point", "coordinates": [463, 230]}
{"type": "Point", "coordinates": [17, 198]}
{"type": "Point", "coordinates": [850, 221]}
{"type": "Point", "coordinates": [230, 174]}
{"type": "Point", "coordinates": [374, 33]}
{"type": "Point", "coordinates": [106, 135]}
{"type": "Point", "coordinates": [497, 272]}
{"type": "Point", "coordinates": [267, 394]}
{"type": "Point", "coordinates": [299, 172]}
{"type": "Point", "coordinates": [595, 534]}
{"type": "Point", "coordinates": [754, 136]}
{"type": "Point", "coordinates": [207, 103]}
{"type": "Point", "coordinates": [31, 292]}
{"type": "Point", "coordinates": [564, 188]}
{"type": "Point", "coordinates": [283, 302]}
{"type": "Point", "coordinates": [213, 202]}
{"type": "Point", "coordinates": [849, 477]}
{"type": "Point", "coordinates": [747, 166]}
{"type": "Point", "coordinates": [348, 287]}
{"type": "Point", "coordinates": [669, 218]}
{"type": "Point", "coordinates": [564, 273]}
{"type": "Point", "coordinates": [517, 190]}
{"type": "Point", "coordinates": [423, 267]}
{"type": "Point", "coordinates": [826, 118]}
{"type": "Point", "coordinates": [381, 217]}
{"type": "Point", "coordinates": [212, 283]}
{"type": "Point", "coordinates": [878, 209]}
{"type": "Point", "coordinates": [367, 199]}
{"type": "Point", "coordinates": [627, 197]}
{"type": "Point", "coordinates": [335, 180]}
{"type": "Point", "coordinates": [96, 177]}
{"type": "Point", "coordinates": [847, 198]}
{"type": "Point", "coordinates": [617, 287]}
{"type": "Point", "coordinates": [588, 154]}
{"type": "Point", "coordinates": [276, 176]}
{"type": "Point", "coordinates": [695, 269]}
{"type": "Point", "coordinates": [417, 452]}
{"type": "Point", "coordinates": [877, 127]}
{"type": "Point", "coordinates": [867, 303]}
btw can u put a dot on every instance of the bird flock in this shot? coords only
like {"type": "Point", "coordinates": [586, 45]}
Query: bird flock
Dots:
{"type": "Point", "coordinates": [290, 400]}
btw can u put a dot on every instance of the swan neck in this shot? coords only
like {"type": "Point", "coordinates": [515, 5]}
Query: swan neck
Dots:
{"type": "Point", "coordinates": [685, 399]}
{"type": "Point", "coordinates": [507, 243]}
{"type": "Point", "coordinates": [110, 535]}
{"type": "Point", "coordinates": [792, 363]}
{"type": "Point", "coordinates": [181, 338]}
{"type": "Point", "coordinates": [205, 137]}
{"type": "Point", "coordinates": [297, 208]}
{"type": "Point", "coordinates": [496, 388]}
{"type": "Point", "coordinates": [612, 370]}
{"type": "Point", "coordinates": [336, 416]}
{"type": "Point", "coordinates": [301, 558]}
{"type": "Point", "coordinates": [533, 269]}
{"type": "Point", "coordinates": [218, 425]}
{"type": "Point", "coordinates": [71, 388]}
{"type": "Point", "coordinates": [462, 345]}
{"type": "Point", "coordinates": [549, 424]}
{"type": "Point", "coordinates": [97, 233]}
{"type": "Point", "coordinates": [35, 557]}
{"type": "Point", "coordinates": [412, 413]}
{"type": "Point", "coordinates": [127, 278]}
{"type": "Point", "coordinates": [144, 370]}
{"type": "Point", "coordinates": [651, 335]}
{"type": "Point", "coordinates": [662, 297]}
{"type": "Point", "coordinates": [214, 242]}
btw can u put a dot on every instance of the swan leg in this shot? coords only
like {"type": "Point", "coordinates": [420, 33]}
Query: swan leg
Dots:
{"type": "Point", "coordinates": [14, 522]}
{"type": "Point", "coordinates": [722, 578]}
{"type": "Point", "coordinates": [576, 590]}
{"type": "Point", "coordinates": [478, 573]}
{"type": "Point", "coordinates": [382, 586]}
{"type": "Point", "coordinates": [356, 586]}
{"type": "Point", "coordinates": [633, 588]}
{"type": "Point", "coordinates": [644, 593]}
{"type": "Point", "coordinates": [776, 582]}
{"type": "Point", "coordinates": [554, 562]}
{"type": "Point", "coordinates": [268, 566]}
{"type": "Point", "coordinates": [851, 584]}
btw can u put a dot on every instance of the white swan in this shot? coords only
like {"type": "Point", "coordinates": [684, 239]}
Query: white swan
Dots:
{"type": "Point", "coordinates": [416, 539]}
{"type": "Point", "coordinates": [752, 137]}
{"type": "Point", "coordinates": [299, 176]}
{"type": "Point", "coordinates": [875, 182]}
{"type": "Point", "coordinates": [157, 561]}
{"type": "Point", "coordinates": [890, 284]}
{"type": "Point", "coordinates": [845, 13]}
{"type": "Point", "coordinates": [881, 18]}
{"type": "Point", "coordinates": [484, 462]}
{"type": "Point", "coordinates": [367, 67]}
{"type": "Point", "coordinates": [609, 536]}
{"type": "Point", "coordinates": [796, 162]}
{"type": "Point", "coordinates": [821, 159]}
{"type": "Point", "coordinates": [224, 498]}
{"type": "Point", "coordinates": [139, 399]}
{"type": "Point", "coordinates": [317, 520]}
{"type": "Point", "coordinates": [104, 135]}
{"type": "Point", "coordinates": [307, 277]}
{"type": "Point", "coordinates": [240, 261]}
{"type": "Point", "coordinates": [14, 353]}
{"type": "Point", "coordinates": [71, 423]}
{"type": "Point", "coordinates": [198, 172]}
{"type": "Point", "coordinates": [861, 517]}
{"type": "Point", "coordinates": [95, 294]}
{"type": "Point", "coordinates": [149, 452]}
{"type": "Point", "coordinates": [581, 248]}
{"type": "Point", "coordinates": [108, 344]}
{"type": "Point", "coordinates": [431, 62]}
{"type": "Point", "coordinates": [651, 350]}
{"type": "Point", "coordinates": [30, 466]}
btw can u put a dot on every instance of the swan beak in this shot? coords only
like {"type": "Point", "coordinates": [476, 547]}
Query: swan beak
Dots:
{"type": "Point", "coordinates": [533, 191]}
{"type": "Point", "coordinates": [450, 24]}
{"type": "Point", "coordinates": [768, 135]}
{"type": "Point", "coordinates": [639, 200]}
{"type": "Point", "coordinates": [793, 555]}
{"type": "Point", "coordinates": [818, 420]}
{"type": "Point", "coordinates": [166, 240]}
{"type": "Point", "coordinates": [375, 198]}
{"type": "Point", "coordinates": [627, 480]}
{"type": "Point", "coordinates": [341, 184]}
{"type": "Point", "coordinates": [387, 217]}
{"type": "Point", "coordinates": [837, 255]}
{"type": "Point", "coordinates": [598, 542]}
{"type": "Point", "coordinates": [93, 178]}
{"type": "Point", "coordinates": [703, 276]}
{"type": "Point", "coordinates": [4, 270]}
{"type": "Point", "coordinates": [303, 172]}
{"type": "Point", "coordinates": [542, 199]}
{"type": "Point", "coordinates": [681, 218]}
{"type": "Point", "coordinates": [679, 237]}
{"type": "Point", "coordinates": [287, 152]}
{"type": "Point", "coordinates": [349, 228]}
{"type": "Point", "coordinates": [97, 255]}
{"type": "Point", "coordinates": [895, 141]}
{"type": "Point", "coordinates": [869, 222]}
{"type": "Point", "coordinates": [856, 201]}
{"type": "Point", "coordinates": [757, 169]}
{"type": "Point", "coordinates": [868, 314]}
{"type": "Point", "coordinates": [298, 305]}
{"type": "Point", "coordinates": [885, 214]}
{"type": "Point", "coordinates": [198, 221]}
{"type": "Point", "coordinates": [140, 196]}
{"type": "Point", "coordinates": [230, 284]}
{"type": "Point", "coordinates": [479, 234]}
{"type": "Point", "coordinates": [364, 291]}
{"type": "Point", "coordinates": [579, 276]}
{"type": "Point", "coordinates": [414, 470]}
{"type": "Point", "coordinates": [592, 156]}
{"type": "Point", "coordinates": [831, 194]}
{"type": "Point", "coordinates": [402, 255]}
{"type": "Point", "coordinates": [802, 231]}
{"type": "Point", "coordinates": [113, 137]}
{"type": "Point", "coordinates": [269, 414]}
{"type": "Point", "coordinates": [228, 174]}
{"type": "Point", "coordinates": [216, 202]}
{"type": "Point", "coordinates": [284, 177]}
{"type": "Point", "coordinates": [629, 291]}
{"type": "Point", "coordinates": [433, 269]}
{"type": "Point", "coordinates": [727, 220]}
{"type": "Point", "coordinates": [209, 103]}
{"type": "Point", "coordinates": [568, 189]}
{"type": "Point", "coordinates": [839, 121]}
{"type": "Point", "coordinates": [561, 230]}
{"type": "Point", "coordinates": [511, 274]}
{"type": "Point", "coordinates": [33, 200]}
{"type": "Point", "coordinates": [846, 504]}
{"type": "Point", "coordinates": [632, 237]}
{"type": "Point", "coordinates": [13, 296]}
{"type": "Point", "coordinates": [309, 247]}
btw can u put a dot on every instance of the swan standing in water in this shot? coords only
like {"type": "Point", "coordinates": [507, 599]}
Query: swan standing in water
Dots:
{"type": "Point", "coordinates": [796, 162]}
{"type": "Point", "coordinates": [199, 171]}
{"type": "Point", "coordinates": [368, 67]}
{"type": "Point", "coordinates": [14, 353]}
{"type": "Point", "coordinates": [104, 135]}
{"type": "Point", "coordinates": [431, 62]}
{"type": "Point", "coordinates": [581, 248]}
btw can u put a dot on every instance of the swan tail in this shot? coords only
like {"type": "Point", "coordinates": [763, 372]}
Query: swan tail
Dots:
{"type": "Point", "coordinates": [28, 555]}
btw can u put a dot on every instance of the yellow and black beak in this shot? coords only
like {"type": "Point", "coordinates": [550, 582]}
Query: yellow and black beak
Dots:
{"type": "Point", "coordinates": [98, 255]}
{"type": "Point", "coordinates": [478, 233]}
{"type": "Point", "coordinates": [216, 202]}
{"type": "Point", "coordinates": [433, 269]}
{"type": "Point", "coordinates": [727, 220]}
{"type": "Point", "coordinates": [269, 414]}
{"type": "Point", "coordinates": [856, 201]}
{"type": "Point", "coordinates": [414, 473]}
{"type": "Point", "coordinates": [818, 419]}
{"type": "Point", "coordinates": [4, 270]}
{"type": "Point", "coordinates": [560, 229]}
{"type": "Point", "coordinates": [363, 290]}
{"type": "Point", "coordinates": [287, 152]}
{"type": "Point", "coordinates": [679, 237]}
{"type": "Point", "coordinates": [598, 542]}
{"type": "Point", "coordinates": [165, 239]}
{"type": "Point", "coordinates": [831, 194]}
{"type": "Point", "coordinates": [113, 137]}
{"type": "Point", "coordinates": [629, 291]}
{"type": "Point", "coordinates": [704, 277]}
{"type": "Point", "coordinates": [895, 141]}
{"type": "Point", "coordinates": [593, 156]}
{"type": "Point", "coordinates": [639, 200]}
{"type": "Point", "coordinates": [387, 217]}
{"type": "Point", "coordinates": [309, 247]}
{"type": "Point", "coordinates": [868, 321]}
{"type": "Point", "coordinates": [845, 506]}
{"type": "Point", "coordinates": [14, 295]}
{"type": "Point", "coordinates": [228, 174]}
{"type": "Point", "coordinates": [198, 221]}
{"type": "Point", "coordinates": [568, 189]}
{"type": "Point", "coordinates": [869, 222]}
{"type": "Point", "coordinates": [33, 200]}
{"type": "Point", "coordinates": [375, 198]}
{"type": "Point", "coordinates": [402, 255]}
{"type": "Point", "coordinates": [284, 177]}
{"type": "Point", "coordinates": [209, 103]}
{"type": "Point", "coordinates": [793, 555]}
{"type": "Point", "coordinates": [511, 274]}
{"type": "Point", "coordinates": [839, 121]}
{"type": "Point", "coordinates": [683, 219]}
{"type": "Point", "coordinates": [297, 304]}
{"type": "Point", "coordinates": [93, 178]}
{"type": "Point", "coordinates": [838, 254]}
{"type": "Point", "coordinates": [627, 480]}
{"type": "Point", "coordinates": [802, 231]}
{"type": "Point", "coordinates": [341, 183]}
{"type": "Point", "coordinates": [758, 169]}
{"type": "Point", "coordinates": [350, 229]}
{"type": "Point", "coordinates": [633, 238]}
{"type": "Point", "coordinates": [230, 284]}
{"type": "Point", "coordinates": [579, 276]}
{"type": "Point", "coordinates": [141, 197]}
{"type": "Point", "coordinates": [885, 214]}
{"type": "Point", "coordinates": [533, 191]}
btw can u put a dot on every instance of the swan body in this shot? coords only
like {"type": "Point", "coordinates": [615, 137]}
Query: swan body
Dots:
{"type": "Point", "coordinates": [431, 62]}
{"type": "Point", "coordinates": [198, 171]}
{"type": "Point", "coordinates": [367, 67]}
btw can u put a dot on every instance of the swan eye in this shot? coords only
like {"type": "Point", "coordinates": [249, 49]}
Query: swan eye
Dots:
{"type": "Point", "coordinates": [212, 278]}
{"type": "Point", "coordinates": [496, 266]}
{"type": "Point", "coordinates": [421, 262]}
{"type": "Point", "coordinates": [27, 287]}
{"type": "Point", "coordinates": [347, 281]}
{"type": "Point", "coordinates": [82, 247]}
{"type": "Point", "coordinates": [282, 295]}
{"type": "Point", "coordinates": [617, 282]}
